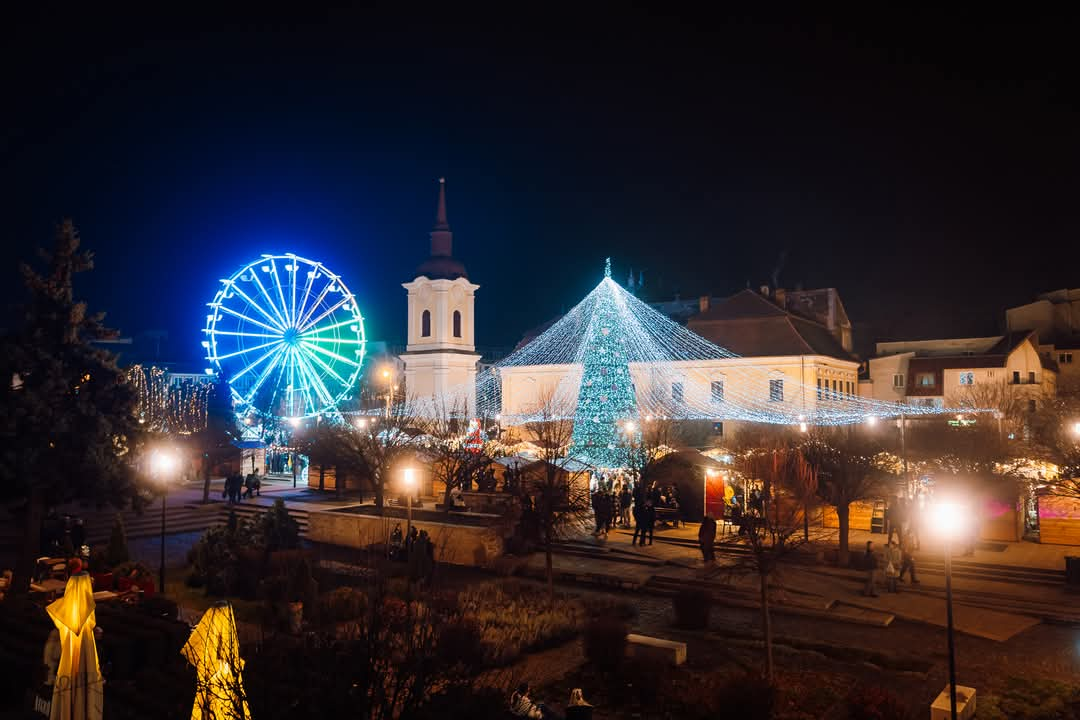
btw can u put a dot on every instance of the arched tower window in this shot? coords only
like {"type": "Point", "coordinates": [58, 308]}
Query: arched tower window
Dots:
{"type": "Point", "coordinates": [457, 323]}
{"type": "Point", "coordinates": [425, 324]}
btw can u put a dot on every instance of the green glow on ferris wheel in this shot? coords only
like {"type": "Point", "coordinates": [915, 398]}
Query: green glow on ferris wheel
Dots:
{"type": "Point", "coordinates": [286, 334]}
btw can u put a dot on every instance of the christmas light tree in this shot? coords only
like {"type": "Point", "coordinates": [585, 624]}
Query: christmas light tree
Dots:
{"type": "Point", "coordinates": [606, 398]}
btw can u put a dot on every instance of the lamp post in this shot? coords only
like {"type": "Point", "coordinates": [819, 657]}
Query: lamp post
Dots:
{"type": "Point", "coordinates": [387, 377]}
{"type": "Point", "coordinates": [409, 481]}
{"type": "Point", "coordinates": [163, 463]}
{"type": "Point", "coordinates": [948, 521]}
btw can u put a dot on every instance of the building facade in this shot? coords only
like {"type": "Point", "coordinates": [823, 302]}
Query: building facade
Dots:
{"type": "Point", "coordinates": [441, 350]}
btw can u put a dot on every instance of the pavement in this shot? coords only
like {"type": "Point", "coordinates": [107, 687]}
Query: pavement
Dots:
{"type": "Point", "coordinates": [995, 597]}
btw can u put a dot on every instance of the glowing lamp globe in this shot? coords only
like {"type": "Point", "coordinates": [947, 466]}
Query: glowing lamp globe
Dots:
{"type": "Point", "coordinates": [949, 519]}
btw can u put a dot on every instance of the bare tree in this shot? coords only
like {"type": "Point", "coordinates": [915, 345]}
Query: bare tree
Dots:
{"type": "Point", "coordinates": [368, 446]}
{"type": "Point", "coordinates": [849, 467]}
{"type": "Point", "coordinates": [646, 444]}
{"type": "Point", "coordinates": [1058, 430]}
{"type": "Point", "coordinates": [773, 534]}
{"type": "Point", "coordinates": [457, 459]}
{"type": "Point", "coordinates": [560, 490]}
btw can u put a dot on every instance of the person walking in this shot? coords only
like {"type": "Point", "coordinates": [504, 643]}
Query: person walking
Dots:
{"type": "Point", "coordinates": [870, 566]}
{"type": "Point", "coordinates": [706, 538]}
{"type": "Point", "coordinates": [650, 521]}
{"type": "Point", "coordinates": [907, 559]}
{"type": "Point", "coordinates": [625, 499]}
{"type": "Point", "coordinates": [639, 523]}
{"type": "Point", "coordinates": [893, 559]}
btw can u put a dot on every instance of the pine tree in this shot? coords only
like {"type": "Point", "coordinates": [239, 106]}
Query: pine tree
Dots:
{"type": "Point", "coordinates": [68, 417]}
{"type": "Point", "coordinates": [606, 398]}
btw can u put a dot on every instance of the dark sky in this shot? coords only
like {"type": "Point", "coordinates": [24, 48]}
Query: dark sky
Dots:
{"type": "Point", "coordinates": [926, 166]}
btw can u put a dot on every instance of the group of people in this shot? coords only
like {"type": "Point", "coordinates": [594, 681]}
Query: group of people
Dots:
{"type": "Point", "coordinates": [524, 706]}
{"type": "Point", "coordinates": [416, 548]}
{"type": "Point", "coordinates": [238, 487]}
{"type": "Point", "coordinates": [897, 560]}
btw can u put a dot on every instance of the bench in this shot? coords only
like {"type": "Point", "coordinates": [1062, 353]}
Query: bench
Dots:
{"type": "Point", "coordinates": [666, 515]}
{"type": "Point", "coordinates": [666, 651]}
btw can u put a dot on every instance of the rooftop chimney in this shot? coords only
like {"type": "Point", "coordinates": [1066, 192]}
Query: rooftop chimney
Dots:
{"type": "Point", "coordinates": [703, 303]}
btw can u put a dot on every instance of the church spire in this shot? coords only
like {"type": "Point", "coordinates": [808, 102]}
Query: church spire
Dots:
{"type": "Point", "coordinates": [442, 240]}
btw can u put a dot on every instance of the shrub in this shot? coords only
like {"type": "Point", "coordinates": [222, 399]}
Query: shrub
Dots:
{"type": "Point", "coordinates": [874, 703]}
{"type": "Point", "coordinates": [692, 607]}
{"type": "Point", "coordinates": [278, 529]}
{"type": "Point", "coordinates": [747, 696]}
{"type": "Point", "coordinates": [459, 645]}
{"type": "Point", "coordinates": [342, 604]}
{"type": "Point", "coordinates": [159, 606]}
{"type": "Point", "coordinates": [134, 570]}
{"type": "Point", "coordinates": [460, 701]}
{"type": "Point", "coordinates": [605, 642]}
{"type": "Point", "coordinates": [117, 551]}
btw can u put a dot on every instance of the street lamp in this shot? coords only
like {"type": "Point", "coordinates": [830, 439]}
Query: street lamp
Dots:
{"type": "Point", "coordinates": [630, 426]}
{"type": "Point", "coordinates": [387, 375]}
{"type": "Point", "coordinates": [1076, 428]}
{"type": "Point", "coordinates": [162, 464]}
{"type": "Point", "coordinates": [409, 481]}
{"type": "Point", "coordinates": [948, 521]}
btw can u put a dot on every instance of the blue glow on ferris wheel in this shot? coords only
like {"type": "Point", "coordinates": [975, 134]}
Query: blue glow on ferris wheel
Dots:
{"type": "Point", "coordinates": [288, 337]}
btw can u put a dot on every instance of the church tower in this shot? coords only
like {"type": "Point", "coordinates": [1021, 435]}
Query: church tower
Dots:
{"type": "Point", "coordinates": [441, 353]}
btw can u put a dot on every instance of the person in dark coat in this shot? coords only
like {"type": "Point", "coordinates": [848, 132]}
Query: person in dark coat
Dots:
{"type": "Point", "coordinates": [706, 538]}
{"type": "Point", "coordinates": [639, 523]}
{"type": "Point", "coordinates": [650, 521]}
{"type": "Point", "coordinates": [870, 564]}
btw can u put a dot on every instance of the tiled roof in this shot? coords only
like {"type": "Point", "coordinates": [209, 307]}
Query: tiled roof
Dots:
{"type": "Point", "coordinates": [748, 324]}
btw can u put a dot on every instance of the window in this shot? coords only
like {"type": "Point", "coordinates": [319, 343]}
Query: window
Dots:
{"type": "Point", "coordinates": [1031, 406]}
{"type": "Point", "coordinates": [898, 381]}
{"type": "Point", "coordinates": [718, 391]}
{"type": "Point", "coordinates": [1016, 377]}
{"type": "Point", "coordinates": [967, 378]}
{"type": "Point", "coordinates": [925, 380]}
{"type": "Point", "coordinates": [718, 428]}
{"type": "Point", "coordinates": [819, 388]}
{"type": "Point", "coordinates": [1065, 358]}
{"type": "Point", "coordinates": [1031, 377]}
{"type": "Point", "coordinates": [776, 390]}
{"type": "Point", "coordinates": [835, 393]}
{"type": "Point", "coordinates": [457, 323]}
{"type": "Point", "coordinates": [425, 324]}
{"type": "Point", "coordinates": [677, 392]}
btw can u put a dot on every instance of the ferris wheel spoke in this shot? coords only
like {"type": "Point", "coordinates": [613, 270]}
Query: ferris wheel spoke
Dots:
{"type": "Point", "coordinates": [315, 380]}
{"type": "Point", "coordinates": [247, 350]}
{"type": "Point", "coordinates": [322, 363]}
{"type": "Point", "coordinates": [307, 291]}
{"type": "Point", "coordinates": [270, 318]}
{"type": "Point", "coordinates": [332, 309]}
{"type": "Point", "coordinates": [330, 353]}
{"type": "Point", "coordinates": [264, 375]}
{"type": "Point", "coordinates": [332, 280]}
{"type": "Point", "coordinates": [314, 333]}
{"type": "Point", "coordinates": [242, 334]}
{"type": "Point", "coordinates": [269, 300]}
{"type": "Point", "coordinates": [246, 318]}
{"type": "Point", "coordinates": [292, 286]}
{"type": "Point", "coordinates": [254, 365]}
{"type": "Point", "coordinates": [281, 293]}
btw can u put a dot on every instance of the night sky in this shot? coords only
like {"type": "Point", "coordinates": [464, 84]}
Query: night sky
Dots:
{"type": "Point", "coordinates": [927, 167]}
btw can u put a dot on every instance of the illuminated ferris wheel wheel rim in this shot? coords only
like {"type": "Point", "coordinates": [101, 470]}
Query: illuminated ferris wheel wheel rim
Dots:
{"type": "Point", "coordinates": [287, 335]}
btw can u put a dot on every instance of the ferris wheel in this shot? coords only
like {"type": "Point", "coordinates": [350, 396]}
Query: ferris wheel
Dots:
{"type": "Point", "coordinates": [288, 337]}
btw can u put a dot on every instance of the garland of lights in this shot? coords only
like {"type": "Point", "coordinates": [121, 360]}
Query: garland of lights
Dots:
{"type": "Point", "coordinates": [177, 407]}
{"type": "Point", "coordinates": [619, 358]}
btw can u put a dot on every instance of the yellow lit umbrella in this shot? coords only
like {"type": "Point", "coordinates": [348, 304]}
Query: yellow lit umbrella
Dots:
{"type": "Point", "coordinates": [214, 650]}
{"type": "Point", "coordinates": [79, 689]}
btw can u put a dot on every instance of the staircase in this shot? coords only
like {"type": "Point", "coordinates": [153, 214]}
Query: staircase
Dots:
{"type": "Point", "coordinates": [179, 519]}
